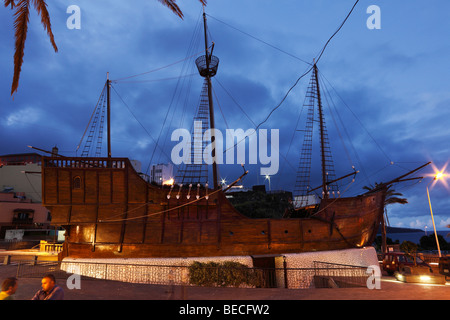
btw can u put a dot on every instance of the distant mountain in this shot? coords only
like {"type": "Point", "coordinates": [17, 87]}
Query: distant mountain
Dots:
{"type": "Point", "coordinates": [399, 230]}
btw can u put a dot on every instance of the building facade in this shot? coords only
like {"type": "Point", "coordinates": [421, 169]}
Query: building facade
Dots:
{"type": "Point", "coordinates": [20, 193]}
{"type": "Point", "coordinates": [161, 173]}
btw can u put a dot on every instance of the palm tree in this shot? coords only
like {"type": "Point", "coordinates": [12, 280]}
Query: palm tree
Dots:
{"type": "Point", "coordinates": [21, 18]}
{"type": "Point", "coordinates": [391, 198]}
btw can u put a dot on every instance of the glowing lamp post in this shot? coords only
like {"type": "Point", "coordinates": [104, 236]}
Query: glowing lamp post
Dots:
{"type": "Point", "coordinates": [437, 176]}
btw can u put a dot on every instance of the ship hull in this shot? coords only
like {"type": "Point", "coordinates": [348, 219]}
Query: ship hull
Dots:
{"type": "Point", "coordinates": [109, 211]}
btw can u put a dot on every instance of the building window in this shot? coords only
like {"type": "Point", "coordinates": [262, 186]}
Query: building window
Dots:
{"type": "Point", "coordinates": [77, 182]}
{"type": "Point", "coordinates": [23, 216]}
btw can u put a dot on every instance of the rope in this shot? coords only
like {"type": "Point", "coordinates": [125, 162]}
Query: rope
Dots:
{"type": "Point", "coordinates": [174, 208]}
{"type": "Point", "coordinates": [262, 41]}
{"type": "Point", "coordinates": [157, 69]}
{"type": "Point", "coordinates": [159, 212]}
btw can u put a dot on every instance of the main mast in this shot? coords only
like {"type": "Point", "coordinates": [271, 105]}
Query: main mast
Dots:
{"type": "Point", "coordinates": [207, 66]}
{"type": "Point", "coordinates": [322, 136]}
{"type": "Point", "coordinates": [108, 112]}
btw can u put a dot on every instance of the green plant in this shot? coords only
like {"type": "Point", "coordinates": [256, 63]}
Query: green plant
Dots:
{"type": "Point", "coordinates": [224, 274]}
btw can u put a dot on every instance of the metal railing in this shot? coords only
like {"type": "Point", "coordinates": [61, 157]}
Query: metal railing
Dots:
{"type": "Point", "coordinates": [335, 275]}
{"type": "Point", "coordinates": [79, 162]}
{"type": "Point", "coordinates": [323, 275]}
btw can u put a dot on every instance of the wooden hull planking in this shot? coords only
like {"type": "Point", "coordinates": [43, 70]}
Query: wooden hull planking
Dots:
{"type": "Point", "coordinates": [109, 211]}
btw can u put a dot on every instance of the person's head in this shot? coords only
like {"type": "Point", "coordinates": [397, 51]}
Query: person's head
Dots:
{"type": "Point", "coordinates": [9, 285]}
{"type": "Point", "coordinates": [48, 282]}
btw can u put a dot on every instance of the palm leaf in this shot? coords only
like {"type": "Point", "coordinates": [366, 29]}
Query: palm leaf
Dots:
{"type": "Point", "coordinates": [21, 27]}
{"type": "Point", "coordinates": [171, 4]}
{"type": "Point", "coordinates": [41, 8]}
{"type": "Point", "coordinates": [9, 2]}
{"type": "Point", "coordinates": [21, 16]}
{"type": "Point", "coordinates": [392, 200]}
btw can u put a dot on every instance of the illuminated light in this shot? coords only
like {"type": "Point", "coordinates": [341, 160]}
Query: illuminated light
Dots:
{"type": "Point", "coordinates": [439, 175]}
{"type": "Point", "coordinates": [425, 278]}
{"type": "Point", "coordinates": [399, 277]}
{"type": "Point", "coordinates": [433, 263]}
{"type": "Point", "coordinates": [169, 182]}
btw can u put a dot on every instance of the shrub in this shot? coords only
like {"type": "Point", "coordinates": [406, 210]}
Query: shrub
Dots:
{"type": "Point", "coordinates": [224, 274]}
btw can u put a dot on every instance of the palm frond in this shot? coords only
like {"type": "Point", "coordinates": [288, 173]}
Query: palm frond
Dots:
{"type": "Point", "coordinates": [21, 15]}
{"type": "Point", "coordinates": [171, 4]}
{"type": "Point", "coordinates": [41, 8]}
{"type": "Point", "coordinates": [21, 27]}
{"type": "Point", "coordinates": [393, 200]}
{"type": "Point", "coordinates": [9, 2]}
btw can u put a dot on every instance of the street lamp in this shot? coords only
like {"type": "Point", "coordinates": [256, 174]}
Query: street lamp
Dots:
{"type": "Point", "coordinates": [437, 176]}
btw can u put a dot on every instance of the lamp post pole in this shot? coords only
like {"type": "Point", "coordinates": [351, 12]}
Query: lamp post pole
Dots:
{"type": "Point", "coordinates": [439, 175]}
{"type": "Point", "coordinates": [432, 219]}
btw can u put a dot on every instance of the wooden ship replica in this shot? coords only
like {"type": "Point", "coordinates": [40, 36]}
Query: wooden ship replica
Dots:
{"type": "Point", "coordinates": [109, 211]}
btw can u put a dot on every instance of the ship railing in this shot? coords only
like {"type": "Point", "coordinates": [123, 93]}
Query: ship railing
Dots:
{"type": "Point", "coordinates": [82, 163]}
{"type": "Point", "coordinates": [322, 275]}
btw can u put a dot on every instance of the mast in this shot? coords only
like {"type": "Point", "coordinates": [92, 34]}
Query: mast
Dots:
{"type": "Point", "coordinates": [108, 112]}
{"type": "Point", "coordinates": [322, 136]}
{"type": "Point", "coordinates": [209, 72]}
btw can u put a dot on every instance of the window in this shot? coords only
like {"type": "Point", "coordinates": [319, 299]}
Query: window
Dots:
{"type": "Point", "coordinates": [23, 216]}
{"type": "Point", "coordinates": [76, 182]}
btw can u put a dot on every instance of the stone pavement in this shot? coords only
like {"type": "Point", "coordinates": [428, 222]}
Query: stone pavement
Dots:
{"type": "Point", "coordinates": [115, 290]}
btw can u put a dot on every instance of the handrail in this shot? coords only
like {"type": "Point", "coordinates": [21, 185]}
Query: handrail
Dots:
{"type": "Point", "coordinates": [82, 162]}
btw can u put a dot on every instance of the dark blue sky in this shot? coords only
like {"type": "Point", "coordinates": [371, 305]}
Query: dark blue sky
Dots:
{"type": "Point", "coordinates": [394, 82]}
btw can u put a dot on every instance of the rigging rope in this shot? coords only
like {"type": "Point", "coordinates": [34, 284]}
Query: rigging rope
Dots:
{"type": "Point", "coordinates": [126, 105]}
{"type": "Point", "coordinates": [304, 74]}
{"type": "Point", "coordinates": [92, 116]}
{"type": "Point", "coordinates": [154, 70]}
{"type": "Point", "coordinates": [342, 24]}
{"type": "Point", "coordinates": [262, 41]}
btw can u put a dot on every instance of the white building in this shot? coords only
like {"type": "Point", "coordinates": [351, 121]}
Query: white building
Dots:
{"type": "Point", "coordinates": [161, 173]}
{"type": "Point", "coordinates": [305, 201]}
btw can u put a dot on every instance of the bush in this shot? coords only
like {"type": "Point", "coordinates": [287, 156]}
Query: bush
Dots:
{"type": "Point", "coordinates": [429, 242]}
{"type": "Point", "coordinates": [224, 274]}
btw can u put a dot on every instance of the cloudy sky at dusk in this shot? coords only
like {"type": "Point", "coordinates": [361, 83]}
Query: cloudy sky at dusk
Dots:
{"type": "Point", "coordinates": [390, 86]}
